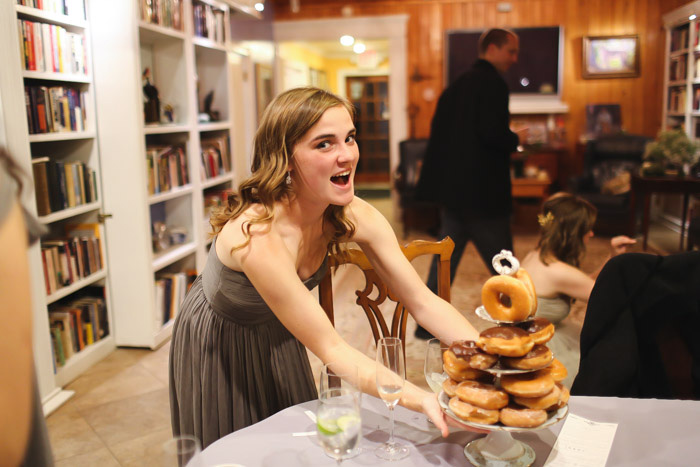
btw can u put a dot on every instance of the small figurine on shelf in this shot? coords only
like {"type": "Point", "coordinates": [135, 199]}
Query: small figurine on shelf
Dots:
{"type": "Point", "coordinates": [151, 106]}
{"type": "Point", "coordinates": [209, 115]}
{"type": "Point", "coordinates": [169, 113]}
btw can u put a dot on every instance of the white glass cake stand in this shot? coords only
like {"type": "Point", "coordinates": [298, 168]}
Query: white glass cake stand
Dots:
{"type": "Point", "coordinates": [499, 448]}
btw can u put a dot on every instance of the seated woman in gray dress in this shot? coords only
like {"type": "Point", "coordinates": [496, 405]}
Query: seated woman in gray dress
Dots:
{"type": "Point", "coordinates": [238, 346]}
{"type": "Point", "coordinates": [566, 225]}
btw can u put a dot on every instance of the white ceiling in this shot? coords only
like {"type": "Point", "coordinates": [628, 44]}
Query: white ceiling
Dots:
{"type": "Point", "coordinates": [334, 49]}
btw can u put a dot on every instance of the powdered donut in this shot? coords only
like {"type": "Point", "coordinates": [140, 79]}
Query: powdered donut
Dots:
{"type": "Point", "coordinates": [539, 357]}
{"type": "Point", "coordinates": [482, 395]}
{"type": "Point", "coordinates": [535, 384]}
{"type": "Point", "coordinates": [509, 341]}
{"type": "Point", "coordinates": [522, 417]}
{"type": "Point", "coordinates": [474, 357]}
{"type": "Point", "coordinates": [472, 413]}
{"type": "Point", "coordinates": [540, 329]}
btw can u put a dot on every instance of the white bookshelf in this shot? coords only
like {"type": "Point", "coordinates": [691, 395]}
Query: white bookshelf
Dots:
{"type": "Point", "coordinates": [184, 68]}
{"type": "Point", "coordinates": [66, 146]}
{"type": "Point", "coordinates": [681, 100]}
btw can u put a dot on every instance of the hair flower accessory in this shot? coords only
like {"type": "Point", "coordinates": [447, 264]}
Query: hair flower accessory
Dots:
{"type": "Point", "coordinates": [545, 220]}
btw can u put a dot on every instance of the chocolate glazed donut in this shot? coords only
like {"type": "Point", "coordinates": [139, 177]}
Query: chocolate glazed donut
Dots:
{"type": "Point", "coordinates": [508, 341]}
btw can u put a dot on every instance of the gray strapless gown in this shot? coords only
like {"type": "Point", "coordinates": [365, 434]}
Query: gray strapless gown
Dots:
{"type": "Point", "coordinates": [567, 335]}
{"type": "Point", "coordinates": [232, 363]}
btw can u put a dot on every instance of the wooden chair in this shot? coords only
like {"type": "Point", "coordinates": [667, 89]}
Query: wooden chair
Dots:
{"type": "Point", "coordinates": [413, 249]}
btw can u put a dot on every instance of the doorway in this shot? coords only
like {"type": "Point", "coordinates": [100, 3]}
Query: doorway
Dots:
{"type": "Point", "coordinates": [370, 96]}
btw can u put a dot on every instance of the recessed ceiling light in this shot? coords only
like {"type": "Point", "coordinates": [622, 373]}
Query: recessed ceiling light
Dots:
{"type": "Point", "coordinates": [259, 6]}
{"type": "Point", "coordinates": [347, 40]}
{"type": "Point", "coordinates": [359, 48]}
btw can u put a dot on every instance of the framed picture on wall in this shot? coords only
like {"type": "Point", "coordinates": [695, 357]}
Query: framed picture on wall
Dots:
{"type": "Point", "coordinates": [610, 56]}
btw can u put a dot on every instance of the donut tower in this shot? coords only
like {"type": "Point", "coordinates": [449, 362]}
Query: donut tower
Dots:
{"type": "Point", "coordinates": [508, 375]}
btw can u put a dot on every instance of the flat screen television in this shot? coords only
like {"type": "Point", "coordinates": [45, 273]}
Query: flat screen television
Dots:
{"type": "Point", "coordinates": [538, 71]}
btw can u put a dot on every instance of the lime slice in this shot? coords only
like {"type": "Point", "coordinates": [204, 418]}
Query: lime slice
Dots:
{"type": "Point", "coordinates": [346, 421]}
{"type": "Point", "coordinates": [328, 427]}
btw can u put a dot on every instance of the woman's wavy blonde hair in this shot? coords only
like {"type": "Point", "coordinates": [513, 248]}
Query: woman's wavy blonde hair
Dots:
{"type": "Point", "coordinates": [565, 221]}
{"type": "Point", "coordinates": [285, 121]}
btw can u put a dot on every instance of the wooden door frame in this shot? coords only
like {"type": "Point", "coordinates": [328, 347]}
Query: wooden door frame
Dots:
{"type": "Point", "coordinates": [390, 27]}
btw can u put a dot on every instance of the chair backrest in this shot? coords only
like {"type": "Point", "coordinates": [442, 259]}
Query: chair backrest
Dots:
{"type": "Point", "coordinates": [379, 326]}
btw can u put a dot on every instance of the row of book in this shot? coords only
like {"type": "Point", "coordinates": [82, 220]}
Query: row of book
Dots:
{"type": "Point", "coordinates": [54, 109]}
{"type": "Point", "coordinates": [51, 48]}
{"type": "Point", "coordinates": [170, 293]}
{"type": "Point", "coordinates": [72, 8]}
{"type": "Point", "coordinates": [167, 168]}
{"type": "Point", "coordinates": [215, 158]}
{"type": "Point", "coordinates": [209, 22]}
{"type": "Point", "coordinates": [74, 257]}
{"type": "Point", "coordinates": [677, 68]}
{"type": "Point", "coordinates": [676, 99]}
{"type": "Point", "coordinates": [76, 324]}
{"type": "Point", "coordinates": [166, 13]}
{"type": "Point", "coordinates": [679, 38]}
{"type": "Point", "coordinates": [61, 185]}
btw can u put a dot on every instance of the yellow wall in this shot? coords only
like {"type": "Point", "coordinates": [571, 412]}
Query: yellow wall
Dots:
{"type": "Point", "coordinates": [331, 66]}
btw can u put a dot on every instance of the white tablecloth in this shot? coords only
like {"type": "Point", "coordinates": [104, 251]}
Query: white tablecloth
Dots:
{"type": "Point", "coordinates": [650, 432]}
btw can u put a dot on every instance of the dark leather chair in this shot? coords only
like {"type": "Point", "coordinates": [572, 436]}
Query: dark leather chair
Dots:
{"type": "Point", "coordinates": [414, 214]}
{"type": "Point", "coordinates": [607, 158]}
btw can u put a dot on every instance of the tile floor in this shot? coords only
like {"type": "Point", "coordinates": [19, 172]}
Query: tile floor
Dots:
{"type": "Point", "coordinates": [119, 415]}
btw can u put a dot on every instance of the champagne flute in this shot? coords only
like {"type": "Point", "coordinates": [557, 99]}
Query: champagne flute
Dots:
{"type": "Point", "coordinates": [181, 451]}
{"type": "Point", "coordinates": [347, 379]}
{"type": "Point", "coordinates": [391, 376]}
{"type": "Point", "coordinates": [338, 423]}
{"type": "Point", "coordinates": [434, 374]}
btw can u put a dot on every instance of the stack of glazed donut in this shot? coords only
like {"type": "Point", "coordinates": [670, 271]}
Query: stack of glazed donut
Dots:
{"type": "Point", "coordinates": [523, 397]}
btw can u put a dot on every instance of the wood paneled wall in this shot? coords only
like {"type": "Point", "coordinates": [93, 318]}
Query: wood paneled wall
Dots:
{"type": "Point", "coordinates": [640, 98]}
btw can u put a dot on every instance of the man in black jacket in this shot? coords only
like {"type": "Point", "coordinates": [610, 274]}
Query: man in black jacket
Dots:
{"type": "Point", "coordinates": [467, 163]}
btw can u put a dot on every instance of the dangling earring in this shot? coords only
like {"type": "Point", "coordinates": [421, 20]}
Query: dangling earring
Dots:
{"type": "Point", "coordinates": [288, 180]}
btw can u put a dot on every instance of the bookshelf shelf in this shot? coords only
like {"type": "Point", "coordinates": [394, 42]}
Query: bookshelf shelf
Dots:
{"type": "Point", "coordinates": [165, 129]}
{"type": "Point", "coordinates": [172, 255]}
{"type": "Point", "coordinates": [51, 76]}
{"type": "Point", "coordinates": [678, 83]}
{"type": "Point", "coordinates": [172, 194]}
{"type": "Point", "coordinates": [70, 212]}
{"type": "Point", "coordinates": [78, 363]}
{"type": "Point", "coordinates": [75, 286]}
{"type": "Point", "coordinates": [208, 44]}
{"type": "Point", "coordinates": [50, 17]}
{"type": "Point", "coordinates": [213, 126]}
{"type": "Point", "coordinates": [153, 31]}
{"type": "Point", "coordinates": [210, 182]}
{"type": "Point", "coordinates": [676, 53]}
{"type": "Point", "coordinates": [61, 136]}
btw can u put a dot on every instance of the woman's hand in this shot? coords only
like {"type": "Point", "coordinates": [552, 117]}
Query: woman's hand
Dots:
{"type": "Point", "coordinates": [619, 244]}
{"type": "Point", "coordinates": [431, 408]}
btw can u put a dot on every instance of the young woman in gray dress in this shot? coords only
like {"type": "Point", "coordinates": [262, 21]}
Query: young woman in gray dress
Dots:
{"type": "Point", "coordinates": [566, 226]}
{"type": "Point", "coordinates": [238, 351]}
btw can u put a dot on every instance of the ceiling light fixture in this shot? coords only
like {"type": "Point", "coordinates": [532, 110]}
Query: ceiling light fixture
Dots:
{"type": "Point", "coordinates": [346, 40]}
{"type": "Point", "coordinates": [359, 47]}
{"type": "Point", "coordinates": [259, 6]}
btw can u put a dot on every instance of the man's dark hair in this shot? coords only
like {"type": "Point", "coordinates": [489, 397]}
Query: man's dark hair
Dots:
{"type": "Point", "coordinates": [497, 37]}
